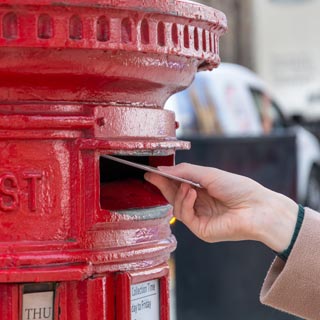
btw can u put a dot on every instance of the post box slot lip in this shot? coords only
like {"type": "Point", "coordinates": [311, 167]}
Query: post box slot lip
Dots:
{"type": "Point", "coordinates": [156, 212]}
{"type": "Point", "coordinates": [130, 147]}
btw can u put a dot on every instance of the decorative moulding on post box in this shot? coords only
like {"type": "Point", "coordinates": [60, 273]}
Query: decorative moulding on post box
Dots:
{"type": "Point", "coordinates": [105, 51]}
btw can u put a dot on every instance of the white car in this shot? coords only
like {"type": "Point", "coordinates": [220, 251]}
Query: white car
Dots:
{"type": "Point", "coordinates": [234, 101]}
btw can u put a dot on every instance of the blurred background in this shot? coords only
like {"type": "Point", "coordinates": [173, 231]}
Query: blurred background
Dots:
{"type": "Point", "coordinates": [258, 114]}
{"type": "Point", "coordinates": [277, 39]}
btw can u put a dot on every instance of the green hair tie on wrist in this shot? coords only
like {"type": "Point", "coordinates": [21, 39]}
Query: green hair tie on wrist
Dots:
{"type": "Point", "coordinates": [285, 254]}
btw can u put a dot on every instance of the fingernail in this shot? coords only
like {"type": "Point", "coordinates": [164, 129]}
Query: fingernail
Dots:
{"type": "Point", "coordinates": [147, 176]}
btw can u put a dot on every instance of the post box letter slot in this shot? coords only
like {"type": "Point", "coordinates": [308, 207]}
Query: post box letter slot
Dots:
{"type": "Point", "coordinates": [123, 187]}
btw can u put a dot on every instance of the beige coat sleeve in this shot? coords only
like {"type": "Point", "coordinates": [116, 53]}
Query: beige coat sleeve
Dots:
{"type": "Point", "coordinates": [294, 286]}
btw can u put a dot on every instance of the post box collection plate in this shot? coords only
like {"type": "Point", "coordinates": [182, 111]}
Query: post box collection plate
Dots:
{"type": "Point", "coordinates": [145, 300]}
{"type": "Point", "coordinates": [38, 305]}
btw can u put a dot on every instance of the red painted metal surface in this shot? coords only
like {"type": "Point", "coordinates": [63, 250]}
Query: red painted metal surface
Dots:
{"type": "Point", "coordinates": [78, 80]}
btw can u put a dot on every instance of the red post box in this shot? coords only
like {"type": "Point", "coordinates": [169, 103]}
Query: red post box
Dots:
{"type": "Point", "coordinates": [81, 237]}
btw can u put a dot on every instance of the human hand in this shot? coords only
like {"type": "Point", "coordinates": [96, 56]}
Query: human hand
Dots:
{"type": "Point", "coordinates": [229, 207]}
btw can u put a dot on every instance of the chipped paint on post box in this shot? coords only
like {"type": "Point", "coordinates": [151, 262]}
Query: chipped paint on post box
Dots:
{"type": "Point", "coordinates": [80, 79]}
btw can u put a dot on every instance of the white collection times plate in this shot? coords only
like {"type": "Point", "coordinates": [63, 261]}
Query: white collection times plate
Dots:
{"type": "Point", "coordinates": [145, 301]}
{"type": "Point", "coordinates": [38, 305]}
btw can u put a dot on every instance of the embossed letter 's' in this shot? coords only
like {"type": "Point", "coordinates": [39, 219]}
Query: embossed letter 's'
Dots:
{"type": "Point", "coordinates": [9, 198]}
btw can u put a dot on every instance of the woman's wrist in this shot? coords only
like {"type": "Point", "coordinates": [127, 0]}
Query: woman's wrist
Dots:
{"type": "Point", "coordinates": [285, 254]}
{"type": "Point", "coordinates": [278, 219]}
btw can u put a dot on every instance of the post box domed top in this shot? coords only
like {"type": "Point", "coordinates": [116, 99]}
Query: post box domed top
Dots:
{"type": "Point", "coordinates": [110, 51]}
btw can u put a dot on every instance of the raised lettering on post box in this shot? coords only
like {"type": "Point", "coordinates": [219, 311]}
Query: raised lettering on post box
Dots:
{"type": "Point", "coordinates": [12, 185]}
{"type": "Point", "coordinates": [145, 301]}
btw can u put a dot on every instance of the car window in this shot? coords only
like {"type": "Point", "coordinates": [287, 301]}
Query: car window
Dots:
{"type": "Point", "coordinates": [270, 115]}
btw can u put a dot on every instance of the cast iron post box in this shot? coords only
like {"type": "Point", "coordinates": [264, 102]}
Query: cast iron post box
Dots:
{"type": "Point", "coordinates": [81, 237]}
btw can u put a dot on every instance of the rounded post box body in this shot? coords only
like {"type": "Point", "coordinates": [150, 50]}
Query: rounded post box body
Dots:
{"type": "Point", "coordinates": [81, 236]}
